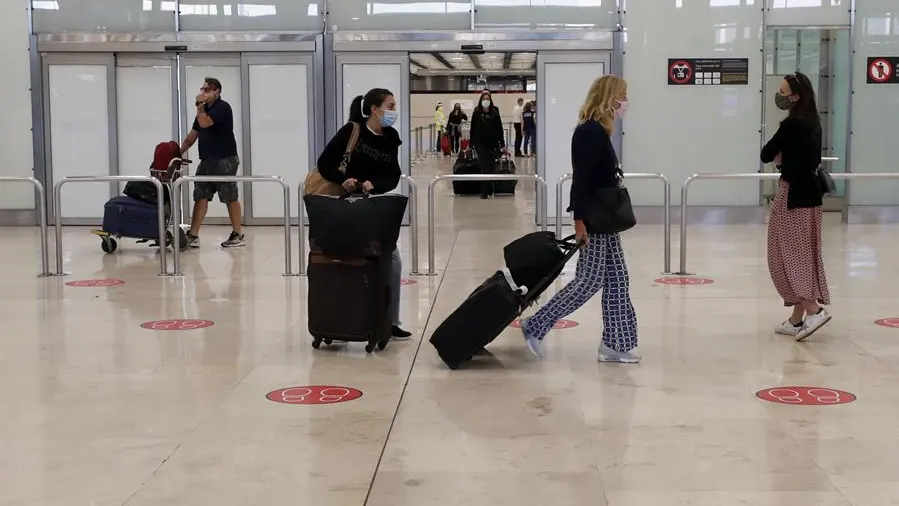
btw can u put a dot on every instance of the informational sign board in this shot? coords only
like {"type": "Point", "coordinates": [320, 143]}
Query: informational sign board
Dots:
{"type": "Point", "coordinates": [883, 69]}
{"type": "Point", "coordinates": [708, 71]}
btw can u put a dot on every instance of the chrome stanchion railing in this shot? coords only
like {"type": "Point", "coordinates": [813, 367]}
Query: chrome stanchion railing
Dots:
{"type": "Point", "coordinates": [541, 202]}
{"type": "Point", "coordinates": [413, 225]}
{"type": "Point", "coordinates": [413, 222]}
{"type": "Point", "coordinates": [177, 191]}
{"type": "Point", "coordinates": [41, 217]}
{"type": "Point", "coordinates": [160, 212]}
{"type": "Point", "coordinates": [756, 176]}
{"type": "Point", "coordinates": [666, 212]}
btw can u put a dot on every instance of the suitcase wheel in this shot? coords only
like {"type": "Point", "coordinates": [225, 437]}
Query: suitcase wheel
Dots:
{"type": "Point", "coordinates": [369, 348]}
{"type": "Point", "coordinates": [382, 345]}
{"type": "Point", "coordinates": [317, 343]}
{"type": "Point", "coordinates": [108, 244]}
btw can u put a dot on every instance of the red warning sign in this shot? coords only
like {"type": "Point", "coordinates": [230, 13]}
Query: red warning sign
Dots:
{"type": "Point", "coordinates": [683, 280]}
{"type": "Point", "coordinates": [888, 322]}
{"type": "Point", "coordinates": [880, 70]}
{"type": "Point", "coordinates": [177, 324]}
{"type": "Point", "coordinates": [560, 325]}
{"type": "Point", "coordinates": [83, 283]}
{"type": "Point", "coordinates": [680, 71]}
{"type": "Point", "coordinates": [315, 394]}
{"type": "Point", "coordinates": [805, 396]}
{"type": "Point", "coordinates": [404, 282]}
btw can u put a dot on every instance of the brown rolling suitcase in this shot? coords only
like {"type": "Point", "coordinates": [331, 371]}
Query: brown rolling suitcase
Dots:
{"type": "Point", "coordinates": [348, 299]}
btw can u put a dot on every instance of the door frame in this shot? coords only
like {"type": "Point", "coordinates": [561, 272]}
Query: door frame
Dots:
{"type": "Point", "coordinates": [314, 104]}
{"type": "Point", "coordinates": [545, 58]}
{"type": "Point", "coordinates": [44, 171]}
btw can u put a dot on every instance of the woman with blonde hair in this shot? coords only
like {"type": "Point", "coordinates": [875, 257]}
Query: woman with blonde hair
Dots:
{"type": "Point", "coordinates": [601, 264]}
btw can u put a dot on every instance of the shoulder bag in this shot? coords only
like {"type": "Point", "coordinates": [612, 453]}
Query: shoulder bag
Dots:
{"type": "Point", "coordinates": [315, 184]}
{"type": "Point", "coordinates": [610, 210]}
{"type": "Point", "coordinates": [825, 181]}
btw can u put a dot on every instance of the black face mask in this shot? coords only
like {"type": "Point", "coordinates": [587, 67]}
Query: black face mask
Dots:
{"type": "Point", "coordinates": [782, 102]}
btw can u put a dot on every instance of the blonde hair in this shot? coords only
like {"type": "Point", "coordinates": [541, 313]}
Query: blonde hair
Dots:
{"type": "Point", "coordinates": [602, 101]}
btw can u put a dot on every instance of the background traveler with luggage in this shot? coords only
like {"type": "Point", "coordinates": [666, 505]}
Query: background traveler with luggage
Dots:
{"type": "Point", "coordinates": [454, 126]}
{"type": "Point", "coordinates": [794, 229]}
{"type": "Point", "coordinates": [214, 128]}
{"type": "Point", "coordinates": [601, 264]}
{"type": "Point", "coordinates": [487, 138]}
{"type": "Point", "coordinates": [529, 122]}
{"type": "Point", "coordinates": [373, 167]}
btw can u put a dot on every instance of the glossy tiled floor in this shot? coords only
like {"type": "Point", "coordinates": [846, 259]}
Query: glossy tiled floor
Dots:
{"type": "Point", "coordinates": [98, 411]}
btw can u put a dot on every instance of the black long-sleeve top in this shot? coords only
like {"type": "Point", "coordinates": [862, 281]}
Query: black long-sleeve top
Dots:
{"type": "Point", "coordinates": [487, 129]}
{"type": "Point", "coordinates": [594, 165]}
{"type": "Point", "coordinates": [375, 159]}
{"type": "Point", "coordinates": [799, 145]}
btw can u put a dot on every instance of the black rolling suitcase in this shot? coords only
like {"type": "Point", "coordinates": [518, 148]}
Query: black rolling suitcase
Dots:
{"type": "Point", "coordinates": [348, 299]}
{"type": "Point", "coordinates": [466, 164]}
{"type": "Point", "coordinates": [505, 165]}
{"type": "Point", "coordinates": [499, 300]}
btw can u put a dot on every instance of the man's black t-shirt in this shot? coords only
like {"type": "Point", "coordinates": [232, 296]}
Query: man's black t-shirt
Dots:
{"type": "Point", "coordinates": [218, 140]}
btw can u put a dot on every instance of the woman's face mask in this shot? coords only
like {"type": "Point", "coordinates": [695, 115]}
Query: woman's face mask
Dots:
{"type": "Point", "coordinates": [485, 103]}
{"type": "Point", "coordinates": [622, 108]}
{"type": "Point", "coordinates": [388, 118]}
{"type": "Point", "coordinates": [783, 102]}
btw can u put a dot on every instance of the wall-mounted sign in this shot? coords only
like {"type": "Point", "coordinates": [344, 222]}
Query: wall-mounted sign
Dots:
{"type": "Point", "coordinates": [883, 69]}
{"type": "Point", "coordinates": [708, 71]}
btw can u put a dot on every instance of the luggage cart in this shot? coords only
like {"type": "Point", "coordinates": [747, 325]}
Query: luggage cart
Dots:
{"type": "Point", "coordinates": [109, 241]}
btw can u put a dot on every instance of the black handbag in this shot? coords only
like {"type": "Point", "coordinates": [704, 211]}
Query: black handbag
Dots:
{"type": "Point", "coordinates": [610, 210]}
{"type": "Point", "coordinates": [825, 182]}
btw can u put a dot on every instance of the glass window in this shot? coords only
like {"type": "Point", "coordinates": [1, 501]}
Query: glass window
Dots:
{"type": "Point", "coordinates": [546, 14]}
{"type": "Point", "coordinates": [352, 15]}
{"type": "Point", "coordinates": [59, 16]}
{"type": "Point", "coordinates": [250, 15]}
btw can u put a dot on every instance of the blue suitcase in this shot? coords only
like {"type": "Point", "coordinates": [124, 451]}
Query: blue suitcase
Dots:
{"type": "Point", "coordinates": [128, 217]}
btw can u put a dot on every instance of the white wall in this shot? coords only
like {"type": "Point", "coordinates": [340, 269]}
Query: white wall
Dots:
{"type": "Point", "coordinates": [15, 121]}
{"type": "Point", "coordinates": [682, 130]}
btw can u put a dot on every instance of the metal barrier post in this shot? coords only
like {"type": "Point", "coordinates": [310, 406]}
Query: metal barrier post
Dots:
{"type": "Point", "coordinates": [177, 191]}
{"type": "Point", "coordinates": [42, 218]}
{"type": "Point", "coordinates": [541, 202]}
{"type": "Point", "coordinates": [666, 204]}
{"type": "Point", "coordinates": [413, 222]}
{"type": "Point", "coordinates": [759, 176]}
{"type": "Point", "coordinates": [432, 138]}
{"type": "Point", "coordinates": [160, 212]}
{"type": "Point", "coordinates": [301, 221]}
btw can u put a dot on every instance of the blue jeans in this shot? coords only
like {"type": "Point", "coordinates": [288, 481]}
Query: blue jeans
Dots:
{"type": "Point", "coordinates": [600, 266]}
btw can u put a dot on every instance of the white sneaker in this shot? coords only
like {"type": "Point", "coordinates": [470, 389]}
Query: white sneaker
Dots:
{"type": "Point", "coordinates": [534, 345]}
{"type": "Point", "coordinates": [788, 329]}
{"type": "Point", "coordinates": [607, 354]}
{"type": "Point", "coordinates": [812, 324]}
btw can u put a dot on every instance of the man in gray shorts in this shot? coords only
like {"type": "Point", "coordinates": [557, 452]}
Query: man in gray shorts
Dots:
{"type": "Point", "coordinates": [214, 128]}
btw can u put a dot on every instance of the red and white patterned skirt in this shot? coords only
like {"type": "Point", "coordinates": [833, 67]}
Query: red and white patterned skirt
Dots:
{"type": "Point", "coordinates": [794, 251]}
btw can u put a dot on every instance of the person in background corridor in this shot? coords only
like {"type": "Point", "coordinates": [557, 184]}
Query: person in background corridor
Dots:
{"type": "Point", "coordinates": [517, 122]}
{"type": "Point", "coordinates": [487, 138]}
{"type": "Point", "coordinates": [214, 128]}
{"type": "Point", "coordinates": [454, 126]}
{"type": "Point", "coordinates": [529, 123]}
{"type": "Point", "coordinates": [794, 228]}
{"type": "Point", "coordinates": [601, 264]}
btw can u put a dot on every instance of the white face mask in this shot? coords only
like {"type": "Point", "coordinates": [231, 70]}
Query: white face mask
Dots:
{"type": "Point", "coordinates": [485, 103]}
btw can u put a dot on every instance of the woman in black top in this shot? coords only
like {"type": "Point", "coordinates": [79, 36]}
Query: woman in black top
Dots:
{"type": "Point", "coordinates": [601, 264]}
{"type": "Point", "coordinates": [487, 138]}
{"type": "Point", "coordinates": [374, 166]}
{"type": "Point", "coordinates": [454, 126]}
{"type": "Point", "coordinates": [794, 228]}
{"type": "Point", "coordinates": [529, 125]}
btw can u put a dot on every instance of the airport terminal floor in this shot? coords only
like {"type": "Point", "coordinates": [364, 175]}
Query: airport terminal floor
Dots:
{"type": "Point", "coordinates": [100, 410]}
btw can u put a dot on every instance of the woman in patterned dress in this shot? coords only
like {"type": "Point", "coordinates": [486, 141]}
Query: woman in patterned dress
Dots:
{"type": "Point", "coordinates": [794, 228]}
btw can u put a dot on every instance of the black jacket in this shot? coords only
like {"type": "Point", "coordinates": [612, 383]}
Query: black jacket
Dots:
{"type": "Point", "coordinates": [594, 165]}
{"type": "Point", "coordinates": [799, 145]}
{"type": "Point", "coordinates": [375, 159]}
{"type": "Point", "coordinates": [487, 129]}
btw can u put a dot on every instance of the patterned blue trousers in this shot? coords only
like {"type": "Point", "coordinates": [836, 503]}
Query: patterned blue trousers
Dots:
{"type": "Point", "coordinates": [600, 266]}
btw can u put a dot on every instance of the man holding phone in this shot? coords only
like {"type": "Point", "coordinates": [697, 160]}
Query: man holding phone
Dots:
{"type": "Point", "coordinates": [214, 128]}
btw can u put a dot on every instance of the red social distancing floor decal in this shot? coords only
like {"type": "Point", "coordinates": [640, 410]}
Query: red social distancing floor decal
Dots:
{"type": "Point", "coordinates": [805, 396]}
{"type": "Point", "coordinates": [405, 282]}
{"type": "Point", "coordinates": [561, 324]}
{"type": "Point", "coordinates": [888, 322]}
{"type": "Point", "coordinates": [683, 280]}
{"type": "Point", "coordinates": [177, 324]}
{"type": "Point", "coordinates": [315, 394]}
{"type": "Point", "coordinates": [82, 283]}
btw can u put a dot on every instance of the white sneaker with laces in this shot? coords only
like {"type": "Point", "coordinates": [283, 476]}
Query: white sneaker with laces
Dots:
{"type": "Point", "coordinates": [788, 329]}
{"type": "Point", "coordinates": [813, 322]}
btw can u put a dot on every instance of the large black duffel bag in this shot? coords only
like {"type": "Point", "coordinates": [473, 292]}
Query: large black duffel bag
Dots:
{"type": "Point", "coordinates": [349, 225]}
{"type": "Point", "coordinates": [534, 258]}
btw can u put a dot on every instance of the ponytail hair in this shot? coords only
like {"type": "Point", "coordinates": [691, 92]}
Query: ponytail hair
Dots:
{"type": "Point", "coordinates": [360, 108]}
